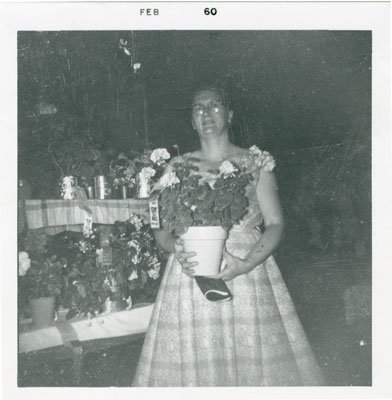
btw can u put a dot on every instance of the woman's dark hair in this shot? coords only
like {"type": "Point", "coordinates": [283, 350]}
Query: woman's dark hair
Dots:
{"type": "Point", "coordinates": [213, 87]}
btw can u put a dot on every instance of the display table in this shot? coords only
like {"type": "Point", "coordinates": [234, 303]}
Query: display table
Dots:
{"type": "Point", "coordinates": [54, 216]}
{"type": "Point", "coordinates": [74, 338]}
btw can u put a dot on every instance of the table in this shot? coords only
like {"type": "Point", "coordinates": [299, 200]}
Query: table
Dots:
{"type": "Point", "coordinates": [77, 337]}
{"type": "Point", "coordinates": [73, 339]}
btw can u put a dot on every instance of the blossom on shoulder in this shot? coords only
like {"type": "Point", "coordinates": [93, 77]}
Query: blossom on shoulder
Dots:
{"type": "Point", "coordinates": [158, 156]}
{"type": "Point", "coordinates": [255, 151]}
{"type": "Point", "coordinates": [169, 180]}
{"type": "Point", "coordinates": [227, 169]}
{"type": "Point", "coordinates": [24, 263]}
{"type": "Point", "coordinates": [263, 159]}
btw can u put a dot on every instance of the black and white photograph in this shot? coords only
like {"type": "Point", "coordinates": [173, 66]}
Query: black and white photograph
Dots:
{"type": "Point", "coordinates": [195, 207]}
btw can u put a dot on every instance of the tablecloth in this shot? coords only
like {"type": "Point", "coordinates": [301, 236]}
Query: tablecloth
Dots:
{"type": "Point", "coordinates": [59, 215]}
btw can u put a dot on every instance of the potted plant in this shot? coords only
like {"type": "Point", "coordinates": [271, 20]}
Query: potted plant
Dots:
{"type": "Point", "coordinates": [84, 292]}
{"type": "Point", "coordinates": [109, 276]}
{"type": "Point", "coordinates": [122, 172]}
{"type": "Point", "coordinates": [136, 262]}
{"type": "Point", "coordinates": [41, 280]}
{"type": "Point", "coordinates": [149, 166]}
{"type": "Point", "coordinates": [202, 208]}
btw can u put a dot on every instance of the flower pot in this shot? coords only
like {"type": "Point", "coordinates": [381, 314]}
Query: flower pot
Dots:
{"type": "Point", "coordinates": [208, 243]}
{"type": "Point", "coordinates": [42, 311]}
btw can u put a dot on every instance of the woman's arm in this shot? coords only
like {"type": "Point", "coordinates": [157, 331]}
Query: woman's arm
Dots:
{"type": "Point", "coordinates": [271, 210]}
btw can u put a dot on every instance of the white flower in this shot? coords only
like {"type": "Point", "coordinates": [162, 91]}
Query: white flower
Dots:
{"type": "Point", "coordinates": [153, 273]}
{"type": "Point", "coordinates": [135, 259]}
{"type": "Point", "coordinates": [136, 221]}
{"type": "Point", "coordinates": [169, 180]}
{"type": "Point", "coordinates": [136, 66]}
{"type": "Point", "coordinates": [263, 158]}
{"type": "Point", "coordinates": [147, 173]}
{"type": "Point", "coordinates": [24, 263]}
{"type": "Point", "coordinates": [134, 244]}
{"type": "Point", "coordinates": [158, 156]}
{"type": "Point", "coordinates": [83, 246]}
{"type": "Point", "coordinates": [193, 208]}
{"type": "Point", "coordinates": [133, 276]}
{"type": "Point", "coordinates": [268, 162]}
{"type": "Point", "coordinates": [227, 169]}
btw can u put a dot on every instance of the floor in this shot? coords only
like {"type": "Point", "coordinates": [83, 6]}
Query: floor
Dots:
{"type": "Point", "coordinates": [343, 351]}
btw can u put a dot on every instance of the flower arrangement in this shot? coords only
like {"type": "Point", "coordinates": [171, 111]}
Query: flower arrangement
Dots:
{"type": "Point", "coordinates": [216, 198]}
{"type": "Point", "coordinates": [122, 170]}
{"type": "Point", "coordinates": [128, 266]}
{"type": "Point", "coordinates": [150, 164]}
{"type": "Point", "coordinates": [141, 169]}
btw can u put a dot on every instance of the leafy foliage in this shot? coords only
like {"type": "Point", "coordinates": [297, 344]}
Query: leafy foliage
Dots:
{"type": "Point", "coordinates": [213, 200]}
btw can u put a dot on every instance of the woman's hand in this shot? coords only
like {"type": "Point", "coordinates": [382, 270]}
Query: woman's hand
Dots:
{"type": "Point", "coordinates": [182, 257]}
{"type": "Point", "coordinates": [234, 267]}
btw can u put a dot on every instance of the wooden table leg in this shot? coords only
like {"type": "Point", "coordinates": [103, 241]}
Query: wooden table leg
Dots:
{"type": "Point", "coordinates": [77, 361]}
{"type": "Point", "coordinates": [70, 339]}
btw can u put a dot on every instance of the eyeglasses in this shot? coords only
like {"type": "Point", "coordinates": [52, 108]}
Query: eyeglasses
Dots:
{"type": "Point", "coordinates": [212, 107]}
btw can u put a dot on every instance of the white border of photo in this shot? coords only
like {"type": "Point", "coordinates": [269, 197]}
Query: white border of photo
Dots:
{"type": "Point", "coordinates": [374, 16]}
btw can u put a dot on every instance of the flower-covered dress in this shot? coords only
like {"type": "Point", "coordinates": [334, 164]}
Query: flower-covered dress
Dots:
{"type": "Point", "coordinates": [256, 339]}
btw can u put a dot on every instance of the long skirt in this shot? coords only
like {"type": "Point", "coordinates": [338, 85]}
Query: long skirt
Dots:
{"type": "Point", "coordinates": [256, 339]}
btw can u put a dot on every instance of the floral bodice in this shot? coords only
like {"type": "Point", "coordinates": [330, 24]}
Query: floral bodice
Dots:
{"type": "Point", "coordinates": [253, 161]}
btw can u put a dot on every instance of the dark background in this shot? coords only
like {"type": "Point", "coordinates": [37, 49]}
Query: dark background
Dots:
{"type": "Point", "coordinates": [305, 96]}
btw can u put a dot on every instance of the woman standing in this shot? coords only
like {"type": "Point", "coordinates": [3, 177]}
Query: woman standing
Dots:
{"type": "Point", "coordinates": [255, 339]}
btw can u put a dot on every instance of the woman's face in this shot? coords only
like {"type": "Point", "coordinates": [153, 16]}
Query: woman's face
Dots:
{"type": "Point", "coordinates": [210, 116]}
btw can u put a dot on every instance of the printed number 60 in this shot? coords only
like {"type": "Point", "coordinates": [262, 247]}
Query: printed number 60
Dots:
{"type": "Point", "coordinates": [207, 11]}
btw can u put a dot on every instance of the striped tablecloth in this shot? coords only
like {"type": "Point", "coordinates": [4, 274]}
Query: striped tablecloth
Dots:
{"type": "Point", "coordinates": [58, 215]}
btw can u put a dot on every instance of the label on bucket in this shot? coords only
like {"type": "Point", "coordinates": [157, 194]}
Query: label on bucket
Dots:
{"type": "Point", "coordinates": [154, 214]}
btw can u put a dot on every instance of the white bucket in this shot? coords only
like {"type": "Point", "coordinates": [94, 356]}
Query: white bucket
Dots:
{"type": "Point", "coordinates": [208, 243]}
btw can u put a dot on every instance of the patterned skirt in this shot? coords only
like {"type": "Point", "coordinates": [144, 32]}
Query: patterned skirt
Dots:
{"type": "Point", "coordinates": [256, 339]}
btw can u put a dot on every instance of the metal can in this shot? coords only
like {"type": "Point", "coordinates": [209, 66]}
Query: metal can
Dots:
{"type": "Point", "coordinates": [123, 192]}
{"type": "Point", "coordinates": [90, 192]}
{"type": "Point", "coordinates": [102, 188]}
